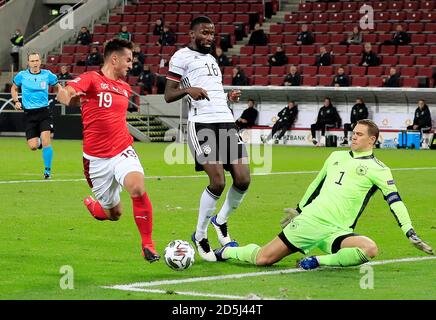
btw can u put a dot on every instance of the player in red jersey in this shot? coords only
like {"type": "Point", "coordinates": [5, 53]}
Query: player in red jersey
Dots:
{"type": "Point", "coordinates": [109, 160]}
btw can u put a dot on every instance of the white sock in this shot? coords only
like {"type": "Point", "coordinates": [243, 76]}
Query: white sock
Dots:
{"type": "Point", "coordinates": [233, 200]}
{"type": "Point", "coordinates": [207, 207]}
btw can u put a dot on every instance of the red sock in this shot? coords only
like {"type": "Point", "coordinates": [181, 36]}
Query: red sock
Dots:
{"type": "Point", "coordinates": [143, 214]}
{"type": "Point", "coordinates": [97, 210]}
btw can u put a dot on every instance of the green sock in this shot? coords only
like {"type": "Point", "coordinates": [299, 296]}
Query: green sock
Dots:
{"type": "Point", "coordinates": [246, 254]}
{"type": "Point", "coordinates": [344, 258]}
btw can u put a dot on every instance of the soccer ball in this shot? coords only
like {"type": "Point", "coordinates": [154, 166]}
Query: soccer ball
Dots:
{"type": "Point", "coordinates": [179, 255]}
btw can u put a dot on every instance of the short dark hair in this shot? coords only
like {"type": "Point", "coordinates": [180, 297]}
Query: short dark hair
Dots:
{"type": "Point", "coordinates": [200, 19]}
{"type": "Point", "coordinates": [33, 53]}
{"type": "Point", "coordinates": [116, 45]}
{"type": "Point", "coordinates": [373, 129]}
{"type": "Point", "coordinates": [252, 100]}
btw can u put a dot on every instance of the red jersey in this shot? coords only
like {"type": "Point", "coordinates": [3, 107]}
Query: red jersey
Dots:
{"type": "Point", "coordinates": [104, 109]}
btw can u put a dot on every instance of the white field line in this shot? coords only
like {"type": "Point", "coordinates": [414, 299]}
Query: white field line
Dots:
{"type": "Point", "coordinates": [185, 293]}
{"type": "Point", "coordinates": [140, 286]}
{"type": "Point", "coordinates": [198, 176]}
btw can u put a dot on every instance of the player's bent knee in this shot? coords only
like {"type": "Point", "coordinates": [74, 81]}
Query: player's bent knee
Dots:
{"type": "Point", "coordinates": [217, 185]}
{"type": "Point", "coordinates": [371, 250]}
{"type": "Point", "coordinates": [263, 259]}
{"type": "Point", "coordinates": [242, 183]}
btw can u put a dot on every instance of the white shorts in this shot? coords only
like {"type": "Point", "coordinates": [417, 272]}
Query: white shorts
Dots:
{"type": "Point", "coordinates": [106, 175]}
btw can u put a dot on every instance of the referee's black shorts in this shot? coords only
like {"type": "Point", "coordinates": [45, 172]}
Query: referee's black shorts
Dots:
{"type": "Point", "coordinates": [215, 143]}
{"type": "Point", "coordinates": [37, 121]}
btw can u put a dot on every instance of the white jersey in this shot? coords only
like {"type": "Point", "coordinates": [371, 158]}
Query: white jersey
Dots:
{"type": "Point", "coordinates": [194, 69]}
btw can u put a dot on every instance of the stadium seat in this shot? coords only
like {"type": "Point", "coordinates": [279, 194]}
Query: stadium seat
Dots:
{"type": "Point", "coordinates": [425, 72]}
{"type": "Point", "coordinates": [397, 16]}
{"type": "Point", "coordinates": [263, 50]}
{"type": "Point", "coordinates": [261, 71]}
{"type": "Point", "coordinates": [334, 7]}
{"type": "Point", "coordinates": [310, 81]}
{"type": "Point", "coordinates": [187, 7]}
{"type": "Point", "coordinates": [431, 38]}
{"type": "Point", "coordinates": [348, 17]}
{"type": "Point", "coordinates": [227, 80]}
{"type": "Point", "coordinates": [69, 49]}
{"type": "Point", "coordinates": [128, 19]}
{"type": "Point", "coordinates": [354, 49]}
{"type": "Point", "coordinates": [319, 6]}
{"type": "Point", "coordinates": [261, 81]}
{"type": "Point", "coordinates": [349, 6]}
{"type": "Point", "coordinates": [375, 71]}
{"type": "Point", "coordinates": [341, 60]}
{"type": "Point", "coordinates": [423, 61]}
{"type": "Point", "coordinates": [369, 37]}
{"type": "Point", "coordinates": [389, 60]}
{"type": "Point", "coordinates": [420, 50]}
{"type": "Point", "coordinates": [305, 60]}
{"type": "Point", "coordinates": [427, 5]}
{"type": "Point", "coordinates": [358, 71]}
{"type": "Point", "coordinates": [413, 17]}
{"type": "Point", "coordinates": [325, 70]}
{"type": "Point", "coordinates": [355, 60]}
{"type": "Point", "coordinates": [246, 50]}
{"type": "Point", "coordinates": [404, 50]}
{"type": "Point", "coordinates": [276, 28]}
{"type": "Point", "coordinates": [115, 19]}
{"type": "Point", "coordinates": [294, 60]}
{"type": "Point", "coordinates": [384, 27]}
{"type": "Point", "coordinates": [308, 50]}
{"type": "Point", "coordinates": [246, 60]}
{"type": "Point", "coordinates": [278, 70]}
{"type": "Point", "coordinates": [380, 6]}
{"type": "Point", "coordinates": [388, 50]}
{"type": "Point", "coordinates": [408, 71]}
{"type": "Point", "coordinates": [261, 60]}
{"type": "Point", "coordinates": [336, 28]}
{"type": "Point", "coordinates": [66, 59]}
{"type": "Point", "coordinates": [276, 81]}
{"type": "Point", "coordinates": [310, 70]}
{"type": "Point", "coordinates": [321, 28]}
{"type": "Point", "coordinates": [142, 18]}
{"type": "Point", "coordinates": [275, 39]}
{"type": "Point", "coordinates": [411, 5]}
{"type": "Point", "coordinates": [410, 82]}
{"type": "Point", "coordinates": [320, 17]}
{"type": "Point", "coordinates": [418, 38]}
{"type": "Point", "coordinates": [359, 81]}
{"type": "Point", "coordinates": [325, 81]}
{"type": "Point", "coordinates": [305, 7]}
{"type": "Point", "coordinates": [406, 61]}
{"type": "Point", "coordinates": [292, 50]}
{"type": "Point", "coordinates": [337, 38]}
{"type": "Point", "coordinates": [322, 38]}
{"type": "Point", "coordinates": [290, 39]}
{"type": "Point", "coordinates": [375, 82]}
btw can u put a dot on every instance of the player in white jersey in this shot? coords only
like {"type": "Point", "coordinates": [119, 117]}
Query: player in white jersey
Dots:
{"type": "Point", "coordinates": [212, 134]}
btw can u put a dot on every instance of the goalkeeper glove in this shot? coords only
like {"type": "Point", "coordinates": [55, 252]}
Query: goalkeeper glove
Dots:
{"type": "Point", "coordinates": [290, 213]}
{"type": "Point", "coordinates": [418, 243]}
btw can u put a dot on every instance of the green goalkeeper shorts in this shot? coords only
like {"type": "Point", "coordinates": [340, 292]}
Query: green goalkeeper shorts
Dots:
{"type": "Point", "coordinates": [305, 234]}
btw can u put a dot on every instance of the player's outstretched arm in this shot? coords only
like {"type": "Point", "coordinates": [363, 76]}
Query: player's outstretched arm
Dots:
{"type": "Point", "coordinates": [173, 92]}
{"type": "Point", "coordinates": [418, 243]}
{"type": "Point", "coordinates": [69, 97]}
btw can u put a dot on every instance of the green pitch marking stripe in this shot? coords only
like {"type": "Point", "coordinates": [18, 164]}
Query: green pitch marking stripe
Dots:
{"type": "Point", "coordinates": [200, 176]}
{"type": "Point", "coordinates": [143, 286]}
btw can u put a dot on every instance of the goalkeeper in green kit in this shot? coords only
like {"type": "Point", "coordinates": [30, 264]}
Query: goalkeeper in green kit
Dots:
{"type": "Point", "coordinates": [328, 212]}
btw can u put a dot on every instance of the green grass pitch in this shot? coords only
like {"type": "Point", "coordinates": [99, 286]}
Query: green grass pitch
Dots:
{"type": "Point", "coordinates": [45, 226]}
